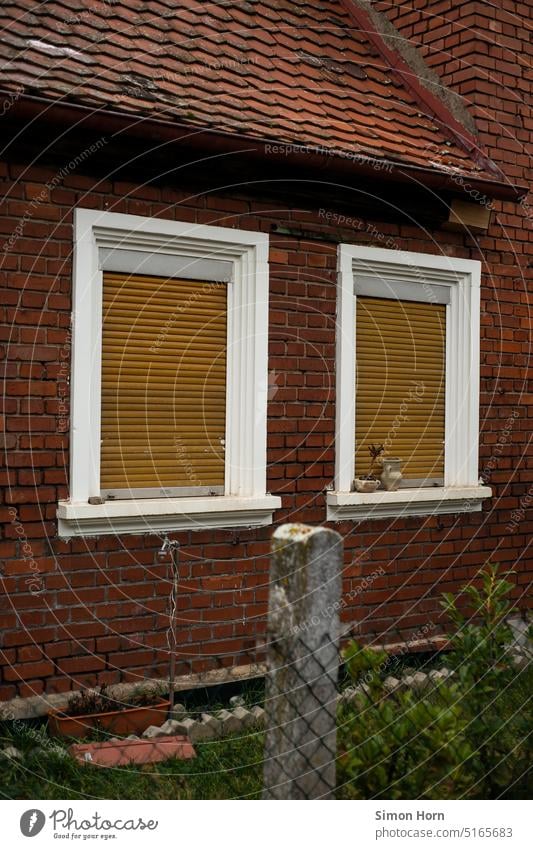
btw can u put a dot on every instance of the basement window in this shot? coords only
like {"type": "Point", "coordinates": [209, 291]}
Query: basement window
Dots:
{"type": "Point", "coordinates": [407, 379]}
{"type": "Point", "coordinates": [169, 378]}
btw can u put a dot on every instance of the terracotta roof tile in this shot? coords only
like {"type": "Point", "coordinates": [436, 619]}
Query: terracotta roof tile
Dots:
{"type": "Point", "coordinates": [286, 71]}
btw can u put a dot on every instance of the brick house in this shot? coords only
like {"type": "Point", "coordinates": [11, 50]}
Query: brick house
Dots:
{"type": "Point", "coordinates": [211, 221]}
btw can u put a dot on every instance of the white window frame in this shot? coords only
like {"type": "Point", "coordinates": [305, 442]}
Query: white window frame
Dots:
{"type": "Point", "coordinates": [415, 276]}
{"type": "Point", "coordinates": [113, 241]}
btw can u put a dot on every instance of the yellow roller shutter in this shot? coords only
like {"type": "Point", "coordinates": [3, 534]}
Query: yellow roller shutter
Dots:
{"type": "Point", "coordinates": [400, 384]}
{"type": "Point", "coordinates": [163, 384]}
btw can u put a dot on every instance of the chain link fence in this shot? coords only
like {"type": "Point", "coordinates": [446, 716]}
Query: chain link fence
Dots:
{"type": "Point", "coordinates": [301, 722]}
{"type": "Point", "coordinates": [393, 716]}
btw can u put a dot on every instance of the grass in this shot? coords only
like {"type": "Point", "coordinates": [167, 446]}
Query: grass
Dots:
{"type": "Point", "coordinates": [231, 768]}
{"type": "Point", "coordinates": [223, 769]}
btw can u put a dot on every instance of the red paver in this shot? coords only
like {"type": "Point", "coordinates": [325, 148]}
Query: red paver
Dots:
{"type": "Point", "coordinates": [286, 71]}
{"type": "Point", "coordinates": [124, 752]}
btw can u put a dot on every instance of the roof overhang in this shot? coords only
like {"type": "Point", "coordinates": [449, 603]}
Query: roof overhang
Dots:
{"type": "Point", "coordinates": [340, 164]}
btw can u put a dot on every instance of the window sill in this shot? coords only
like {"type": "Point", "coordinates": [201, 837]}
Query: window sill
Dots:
{"type": "Point", "coordinates": [165, 514]}
{"type": "Point", "coordinates": [405, 502]}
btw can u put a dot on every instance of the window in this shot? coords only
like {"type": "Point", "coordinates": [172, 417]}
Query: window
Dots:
{"type": "Point", "coordinates": [163, 422]}
{"type": "Point", "coordinates": [407, 379]}
{"type": "Point", "coordinates": [399, 386]}
{"type": "Point", "coordinates": [169, 377]}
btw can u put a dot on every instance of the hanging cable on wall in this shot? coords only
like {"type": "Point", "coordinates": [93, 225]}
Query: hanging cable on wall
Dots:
{"type": "Point", "coordinates": [171, 547]}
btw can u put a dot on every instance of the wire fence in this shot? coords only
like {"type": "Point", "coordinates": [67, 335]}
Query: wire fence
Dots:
{"type": "Point", "coordinates": [302, 663]}
{"type": "Point", "coordinates": [399, 726]}
{"type": "Point", "coordinates": [301, 722]}
{"type": "Point", "coordinates": [406, 726]}
{"type": "Point", "coordinates": [407, 720]}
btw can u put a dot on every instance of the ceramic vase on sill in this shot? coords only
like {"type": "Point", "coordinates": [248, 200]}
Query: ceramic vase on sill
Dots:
{"type": "Point", "coordinates": [391, 474]}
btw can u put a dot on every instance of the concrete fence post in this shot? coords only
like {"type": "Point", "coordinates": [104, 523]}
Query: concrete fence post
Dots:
{"type": "Point", "coordinates": [302, 663]}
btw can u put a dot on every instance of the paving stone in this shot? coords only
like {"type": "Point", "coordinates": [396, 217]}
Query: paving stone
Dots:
{"type": "Point", "coordinates": [152, 732]}
{"type": "Point", "coordinates": [520, 631]}
{"type": "Point", "coordinates": [259, 716]}
{"type": "Point", "coordinates": [229, 723]}
{"type": "Point", "coordinates": [348, 694]}
{"type": "Point", "coordinates": [171, 726]}
{"type": "Point", "coordinates": [438, 676]}
{"type": "Point", "coordinates": [185, 726]}
{"type": "Point", "coordinates": [245, 717]}
{"type": "Point", "coordinates": [523, 651]}
{"type": "Point", "coordinates": [213, 723]}
{"type": "Point", "coordinates": [201, 731]}
{"type": "Point", "coordinates": [391, 684]}
{"type": "Point", "coordinates": [420, 681]}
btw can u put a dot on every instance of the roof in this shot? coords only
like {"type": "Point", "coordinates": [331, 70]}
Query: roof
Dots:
{"type": "Point", "coordinates": [291, 72]}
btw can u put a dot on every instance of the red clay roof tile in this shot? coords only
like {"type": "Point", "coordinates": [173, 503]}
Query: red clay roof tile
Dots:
{"type": "Point", "coordinates": [286, 71]}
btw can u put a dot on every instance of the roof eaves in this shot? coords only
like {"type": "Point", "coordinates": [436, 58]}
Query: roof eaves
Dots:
{"type": "Point", "coordinates": [70, 115]}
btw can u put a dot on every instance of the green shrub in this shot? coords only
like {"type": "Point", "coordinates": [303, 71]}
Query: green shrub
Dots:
{"type": "Point", "coordinates": [495, 694]}
{"type": "Point", "coordinates": [466, 738]}
{"type": "Point", "coordinates": [400, 746]}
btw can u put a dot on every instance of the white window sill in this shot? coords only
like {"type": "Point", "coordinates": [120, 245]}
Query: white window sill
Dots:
{"type": "Point", "coordinates": [164, 514]}
{"type": "Point", "coordinates": [405, 502]}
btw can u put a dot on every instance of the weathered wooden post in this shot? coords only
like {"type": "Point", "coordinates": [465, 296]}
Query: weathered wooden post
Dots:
{"type": "Point", "coordinates": [302, 660]}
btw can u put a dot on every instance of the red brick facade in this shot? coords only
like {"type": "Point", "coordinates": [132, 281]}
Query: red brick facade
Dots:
{"type": "Point", "coordinates": [92, 611]}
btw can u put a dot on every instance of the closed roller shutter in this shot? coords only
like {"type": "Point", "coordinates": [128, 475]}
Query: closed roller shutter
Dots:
{"type": "Point", "coordinates": [400, 371]}
{"type": "Point", "coordinates": [163, 384]}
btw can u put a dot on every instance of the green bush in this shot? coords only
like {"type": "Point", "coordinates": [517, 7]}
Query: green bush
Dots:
{"type": "Point", "coordinates": [400, 746]}
{"type": "Point", "coordinates": [495, 694]}
{"type": "Point", "coordinates": [467, 738]}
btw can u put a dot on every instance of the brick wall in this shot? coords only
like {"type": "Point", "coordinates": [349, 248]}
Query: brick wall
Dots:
{"type": "Point", "coordinates": [483, 51]}
{"type": "Point", "coordinates": [87, 611]}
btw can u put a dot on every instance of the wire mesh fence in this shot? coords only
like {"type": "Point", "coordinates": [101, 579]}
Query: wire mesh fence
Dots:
{"type": "Point", "coordinates": [302, 664]}
{"type": "Point", "coordinates": [414, 715]}
{"type": "Point", "coordinates": [453, 723]}
{"type": "Point", "coordinates": [301, 721]}
{"type": "Point", "coordinates": [418, 715]}
{"type": "Point", "coordinates": [402, 726]}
